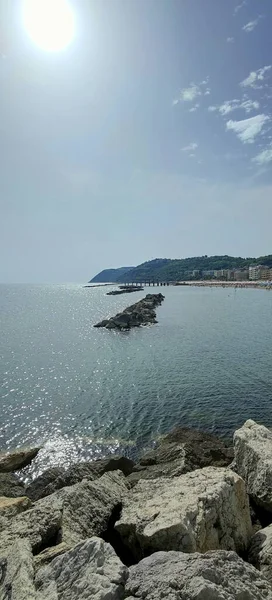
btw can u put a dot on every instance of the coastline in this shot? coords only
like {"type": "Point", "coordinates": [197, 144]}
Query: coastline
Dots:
{"type": "Point", "coordinates": [260, 285]}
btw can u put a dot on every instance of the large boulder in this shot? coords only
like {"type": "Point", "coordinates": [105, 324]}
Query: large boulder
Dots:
{"type": "Point", "coordinates": [69, 515]}
{"type": "Point", "coordinates": [181, 451]}
{"type": "Point", "coordinates": [217, 575]}
{"type": "Point", "coordinates": [196, 512]}
{"type": "Point", "coordinates": [260, 551]}
{"type": "Point", "coordinates": [40, 526]}
{"type": "Point", "coordinates": [90, 570]}
{"type": "Point", "coordinates": [253, 461]}
{"type": "Point", "coordinates": [17, 573]}
{"type": "Point", "coordinates": [14, 461]}
{"type": "Point", "coordinates": [11, 486]}
{"type": "Point", "coordinates": [57, 477]}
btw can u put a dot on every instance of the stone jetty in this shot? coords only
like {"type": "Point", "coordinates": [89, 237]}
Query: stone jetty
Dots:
{"type": "Point", "coordinates": [192, 520]}
{"type": "Point", "coordinates": [141, 313]}
{"type": "Point", "coordinates": [126, 290]}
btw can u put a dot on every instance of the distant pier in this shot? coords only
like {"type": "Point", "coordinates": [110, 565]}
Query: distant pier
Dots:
{"type": "Point", "coordinates": [146, 283]}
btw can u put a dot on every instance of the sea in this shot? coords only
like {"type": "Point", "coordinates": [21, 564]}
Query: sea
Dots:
{"type": "Point", "coordinates": [82, 393]}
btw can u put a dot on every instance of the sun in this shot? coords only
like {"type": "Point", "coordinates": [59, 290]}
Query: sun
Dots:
{"type": "Point", "coordinates": [49, 23]}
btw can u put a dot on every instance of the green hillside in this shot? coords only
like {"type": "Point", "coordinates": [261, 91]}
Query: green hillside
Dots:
{"type": "Point", "coordinates": [165, 269]}
{"type": "Point", "coordinates": [110, 275]}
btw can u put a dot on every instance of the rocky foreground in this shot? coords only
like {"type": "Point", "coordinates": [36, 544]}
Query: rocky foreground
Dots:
{"type": "Point", "coordinates": [141, 313]}
{"type": "Point", "coordinates": [190, 521]}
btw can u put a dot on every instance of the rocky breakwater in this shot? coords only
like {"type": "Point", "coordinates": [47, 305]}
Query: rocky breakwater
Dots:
{"type": "Point", "coordinates": [181, 532]}
{"type": "Point", "coordinates": [141, 313]}
{"type": "Point", "coordinates": [126, 290]}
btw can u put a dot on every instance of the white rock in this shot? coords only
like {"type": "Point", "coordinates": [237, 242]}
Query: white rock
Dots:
{"type": "Point", "coordinates": [260, 551]}
{"type": "Point", "coordinates": [196, 512]}
{"type": "Point", "coordinates": [253, 461]}
{"type": "Point", "coordinates": [69, 515]}
{"type": "Point", "coordinates": [216, 575]}
{"type": "Point", "coordinates": [91, 570]}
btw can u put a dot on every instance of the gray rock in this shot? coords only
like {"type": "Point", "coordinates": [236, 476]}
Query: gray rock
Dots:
{"type": "Point", "coordinates": [10, 507]}
{"type": "Point", "coordinates": [69, 515]}
{"type": "Point", "coordinates": [17, 573]}
{"type": "Point", "coordinates": [11, 486]}
{"type": "Point", "coordinates": [260, 551]}
{"type": "Point", "coordinates": [217, 575]}
{"type": "Point", "coordinates": [46, 483]}
{"type": "Point", "coordinates": [39, 525]}
{"type": "Point", "coordinates": [89, 506]}
{"type": "Point", "coordinates": [253, 459]}
{"type": "Point", "coordinates": [122, 321]}
{"type": "Point", "coordinates": [14, 461]}
{"type": "Point", "coordinates": [57, 477]}
{"type": "Point", "coordinates": [196, 512]}
{"type": "Point", "coordinates": [46, 556]}
{"type": "Point", "coordinates": [91, 570]}
{"type": "Point", "coordinates": [181, 451]}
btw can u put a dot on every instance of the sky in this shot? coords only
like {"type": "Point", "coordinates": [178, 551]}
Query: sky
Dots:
{"type": "Point", "coordinates": [149, 135]}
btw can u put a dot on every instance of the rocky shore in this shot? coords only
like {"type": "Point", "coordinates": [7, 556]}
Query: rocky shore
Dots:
{"type": "Point", "coordinates": [185, 523]}
{"type": "Point", "coordinates": [141, 313]}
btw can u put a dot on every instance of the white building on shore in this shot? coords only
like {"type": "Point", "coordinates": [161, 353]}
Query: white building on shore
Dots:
{"type": "Point", "coordinates": [257, 272]}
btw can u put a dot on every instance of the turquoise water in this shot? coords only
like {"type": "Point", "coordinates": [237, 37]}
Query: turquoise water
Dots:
{"type": "Point", "coordinates": [85, 391]}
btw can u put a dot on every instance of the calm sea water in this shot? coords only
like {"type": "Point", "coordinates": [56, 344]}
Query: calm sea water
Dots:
{"type": "Point", "coordinates": [84, 391]}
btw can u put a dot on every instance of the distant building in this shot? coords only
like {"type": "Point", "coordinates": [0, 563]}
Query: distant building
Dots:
{"type": "Point", "coordinates": [241, 275]}
{"type": "Point", "coordinates": [221, 274]}
{"type": "Point", "coordinates": [257, 272]}
{"type": "Point", "coordinates": [230, 275]}
{"type": "Point", "coordinates": [265, 273]}
{"type": "Point", "coordinates": [254, 272]}
{"type": "Point", "coordinates": [208, 274]}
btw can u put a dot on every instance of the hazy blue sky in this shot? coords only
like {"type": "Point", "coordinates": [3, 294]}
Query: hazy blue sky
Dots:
{"type": "Point", "coordinates": [149, 136]}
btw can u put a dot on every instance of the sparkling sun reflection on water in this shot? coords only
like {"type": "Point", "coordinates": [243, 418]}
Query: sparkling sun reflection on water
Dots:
{"type": "Point", "coordinates": [84, 392]}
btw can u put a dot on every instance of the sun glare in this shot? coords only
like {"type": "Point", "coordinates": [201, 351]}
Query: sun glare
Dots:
{"type": "Point", "coordinates": [49, 23]}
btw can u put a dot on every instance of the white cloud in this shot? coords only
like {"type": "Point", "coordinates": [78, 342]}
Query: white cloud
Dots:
{"type": "Point", "coordinates": [250, 105]}
{"type": "Point", "coordinates": [255, 76]}
{"type": "Point", "coordinates": [264, 157]}
{"type": "Point", "coordinates": [194, 108]}
{"type": "Point", "coordinates": [190, 148]}
{"type": "Point", "coordinates": [248, 129]}
{"type": "Point", "coordinates": [194, 90]}
{"type": "Point", "coordinates": [230, 105]}
{"type": "Point", "coordinates": [230, 40]}
{"type": "Point", "coordinates": [189, 94]}
{"type": "Point", "coordinates": [251, 25]}
{"type": "Point", "coordinates": [239, 6]}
